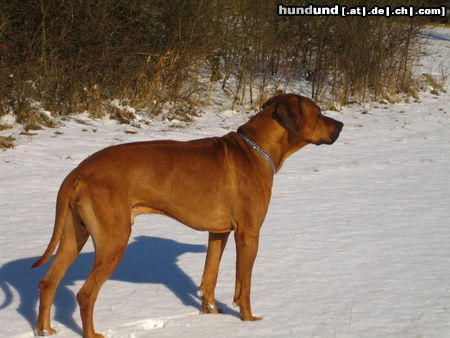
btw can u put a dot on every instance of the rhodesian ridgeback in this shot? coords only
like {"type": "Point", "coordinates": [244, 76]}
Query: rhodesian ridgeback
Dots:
{"type": "Point", "coordinates": [206, 184]}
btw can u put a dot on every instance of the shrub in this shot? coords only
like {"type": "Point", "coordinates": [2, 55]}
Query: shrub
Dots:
{"type": "Point", "coordinates": [77, 55]}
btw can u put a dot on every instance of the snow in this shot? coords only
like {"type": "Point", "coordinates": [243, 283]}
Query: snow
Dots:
{"type": "Point", "coordinates": [355, 243]}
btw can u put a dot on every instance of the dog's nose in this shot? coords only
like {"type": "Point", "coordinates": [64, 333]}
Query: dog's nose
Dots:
{"type": "Point", "coordinates": [339, 125]}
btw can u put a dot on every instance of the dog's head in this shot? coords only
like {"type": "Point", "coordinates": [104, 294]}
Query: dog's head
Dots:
{"type": "Point", "coordinates": [303, 120]}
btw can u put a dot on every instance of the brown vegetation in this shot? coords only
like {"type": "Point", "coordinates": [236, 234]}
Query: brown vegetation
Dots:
{"type": "Point", "coordinates": [74, 56]}
{"type": "Point", "coordinates": [6, 142]}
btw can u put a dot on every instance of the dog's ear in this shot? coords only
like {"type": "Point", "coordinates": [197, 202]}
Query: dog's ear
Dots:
{"type": "Point", "coordinates": [270, 101]}
{"type": "Point", "coordinates": [287, 112]}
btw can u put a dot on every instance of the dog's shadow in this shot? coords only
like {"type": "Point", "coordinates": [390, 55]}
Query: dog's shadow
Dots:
{"type": "Point", "coordinates": [147, 260]}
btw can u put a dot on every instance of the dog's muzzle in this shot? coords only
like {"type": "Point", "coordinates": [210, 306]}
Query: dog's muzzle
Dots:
{"type": "Point", "coordinates": [335, 135]}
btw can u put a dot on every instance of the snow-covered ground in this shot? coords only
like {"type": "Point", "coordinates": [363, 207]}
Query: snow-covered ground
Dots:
{"type": "Point", "coordinates": [356, 242]}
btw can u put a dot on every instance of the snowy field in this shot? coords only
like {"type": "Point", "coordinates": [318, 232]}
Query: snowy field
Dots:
{"type": "Point", "coordinates": [356, 242]}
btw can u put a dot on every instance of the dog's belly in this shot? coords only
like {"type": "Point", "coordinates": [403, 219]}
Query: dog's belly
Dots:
{"type": "Point", "coordinates": [213, 220]}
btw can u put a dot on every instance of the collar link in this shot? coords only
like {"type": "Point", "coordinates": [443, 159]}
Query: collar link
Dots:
{"type": "Point", "coordinates": [259, 150]}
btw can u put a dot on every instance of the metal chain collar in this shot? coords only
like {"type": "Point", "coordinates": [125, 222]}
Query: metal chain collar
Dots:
{"type": "Point", "coordinates": [259, 150]}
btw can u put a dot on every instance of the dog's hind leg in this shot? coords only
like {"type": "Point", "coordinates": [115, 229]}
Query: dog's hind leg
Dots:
{"type": "Point", "coordinates": [216, 245]}
{"type": "Point", "coordinates": [73, 238]}
{"type": "Point", "coordinates": [107, 257]}
{"type": "Point", "coordinates": [108, 219]}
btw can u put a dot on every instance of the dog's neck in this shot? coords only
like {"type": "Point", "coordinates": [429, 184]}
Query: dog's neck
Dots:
{"type": "Point", "coordinates": [260, 150]}
{"type": "Point", "coordinates": [274, 139]}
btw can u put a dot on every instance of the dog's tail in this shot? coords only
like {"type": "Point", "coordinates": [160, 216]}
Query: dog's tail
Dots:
{"type": "Point", "coordinates": [62, 205]}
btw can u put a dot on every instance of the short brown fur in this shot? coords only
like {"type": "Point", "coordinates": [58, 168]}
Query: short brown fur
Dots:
{"type": "Point", "coordinates": [206, 184]}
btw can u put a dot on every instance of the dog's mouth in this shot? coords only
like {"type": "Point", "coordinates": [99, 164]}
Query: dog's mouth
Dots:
{"type": "Point", "coordinates": [333, 137]}
{"type": "Point", "coordinates": [336, 133]}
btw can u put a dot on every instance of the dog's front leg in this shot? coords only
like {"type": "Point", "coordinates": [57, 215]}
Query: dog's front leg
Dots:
{"type": "Point", "coordinates": [216, 245]}
{"type": "Point", "coordinates": [246, 250]}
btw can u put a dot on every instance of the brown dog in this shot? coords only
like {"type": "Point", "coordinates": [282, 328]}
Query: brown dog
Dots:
{"type": "Point", "coordinates": [207, 184]}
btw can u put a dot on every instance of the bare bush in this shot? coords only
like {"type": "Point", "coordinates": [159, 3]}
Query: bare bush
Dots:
{"type": "Point", "coordinates": [74, 56]}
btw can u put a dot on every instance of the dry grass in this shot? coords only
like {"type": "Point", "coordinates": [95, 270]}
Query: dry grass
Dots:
{"type": "Point", "coordinates": [27, 133]}
{"type": "Point", "coordinates": [438, 24]}
{"type": "Point", "coordinates": [437, 87]}
{"type": "Point", "coordinates": [5, 127]}
{"type": "Point", "coordinates": [6, 142]}
{"type": "Point", "coordinates": [31, 117]}
{"type": "Point", "coordinates": [183, 113]}
{"type": "Point", "coordinates": [121, 115]}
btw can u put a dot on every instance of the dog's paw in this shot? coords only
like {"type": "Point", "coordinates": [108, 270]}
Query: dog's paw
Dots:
{"type": "Point", "coordinates": [212, 308]}
{"type": "Point", "coordinates": [251, 318]}
{"type": "Point", "coordinates": [209, 308]}
{"type": "Point", "coordinates": [44, 332]}
{"type": "Point", "coordinates": [98, 335]}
